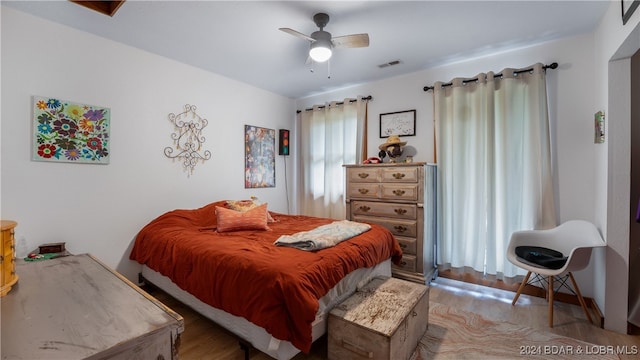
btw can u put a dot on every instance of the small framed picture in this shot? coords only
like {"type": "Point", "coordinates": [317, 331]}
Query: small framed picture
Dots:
{"type": "Point", "coordinates": [599, 128]}
{"type": "Point", "coordinates": [401, 123]}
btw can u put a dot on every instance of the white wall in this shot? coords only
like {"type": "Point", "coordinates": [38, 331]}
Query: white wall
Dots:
{"type": "Point", "coordinates": [571, 105]}
{"type": "Point", "coordinates": [100, 208]}
{"type": "Point", "coordinates": [103, 207]}
{"type": "Point", "coordinates": [615, 43]}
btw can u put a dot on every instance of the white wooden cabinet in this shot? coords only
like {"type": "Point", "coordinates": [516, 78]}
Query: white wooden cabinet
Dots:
{"type": "Point", "coordinates": [399, 197]}
{"type": "Point", "coordinates": [75, 307]}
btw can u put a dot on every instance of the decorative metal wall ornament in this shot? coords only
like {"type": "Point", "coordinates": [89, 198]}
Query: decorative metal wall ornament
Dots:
{"type": "Point", "coordinates": [188, 139]}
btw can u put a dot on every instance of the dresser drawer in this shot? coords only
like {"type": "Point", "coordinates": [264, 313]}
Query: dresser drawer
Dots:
{"type": "Point", "coordinates": [404, 192]}
{"type": "Point", "coordinates": [408, 245]}
{"type": "Point", "coordinates": [7, 237]}
{"type": "Point", "coordinates": [401, 211]}
{"type": "Point", "coordinates": [8, 269]}
{"type": "Point", "coordinates": [363, 174]}
{"type": "Point", "coordinates": [407, 263]}
{"type": "Point", "coordinates": [408, 228]}
{"type": "Point", "coordinates": [400, 174]}
{"type": "Point", "coordinates": [364, 190]}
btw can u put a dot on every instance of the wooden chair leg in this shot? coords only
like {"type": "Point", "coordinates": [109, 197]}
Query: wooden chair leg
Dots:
{"type": "Point", "coordinates": [580, 298]}
{"type": "Point", "coordinates": [551, 301]}
{"type": "Point", "coordinates": [522, 285]}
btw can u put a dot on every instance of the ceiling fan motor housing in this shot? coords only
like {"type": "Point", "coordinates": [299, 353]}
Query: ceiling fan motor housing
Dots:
{"type": "Point", "coordinates": [321, 36]}
{"type": "Point", "coordinates": [321, 20]}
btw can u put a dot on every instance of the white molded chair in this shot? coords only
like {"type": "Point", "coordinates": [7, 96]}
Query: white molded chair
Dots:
{"type": "Point", "coordinates": [574, 239]}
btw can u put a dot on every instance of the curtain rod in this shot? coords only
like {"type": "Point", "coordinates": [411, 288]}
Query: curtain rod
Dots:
{"type": "Point", "coordinates": [498, 75]}
{"type": "Point", "coordinates": [338, 103]}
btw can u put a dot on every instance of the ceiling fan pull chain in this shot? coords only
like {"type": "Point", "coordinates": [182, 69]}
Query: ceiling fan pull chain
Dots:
{"type": "Point", "coordinates": [329, 69]}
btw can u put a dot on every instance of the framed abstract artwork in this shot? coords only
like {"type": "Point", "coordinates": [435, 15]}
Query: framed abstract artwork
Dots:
{"type": "Point", "coordinates": [65, 131]}
{"type": "Point", "coordinates": [259, 154]}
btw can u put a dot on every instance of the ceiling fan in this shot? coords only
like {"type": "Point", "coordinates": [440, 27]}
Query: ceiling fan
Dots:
{"type": "Point", "coordinates": [322, 43]}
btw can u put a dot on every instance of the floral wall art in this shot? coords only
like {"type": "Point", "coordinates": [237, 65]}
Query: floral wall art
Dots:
{"type": "Point", "coordinates": [65, 131]}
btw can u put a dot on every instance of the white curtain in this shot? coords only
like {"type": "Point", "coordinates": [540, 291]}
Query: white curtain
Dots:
{"type": "Point", "coordinates": [494, 156]}
{"type": "Point", "coordinates": [330, 136]}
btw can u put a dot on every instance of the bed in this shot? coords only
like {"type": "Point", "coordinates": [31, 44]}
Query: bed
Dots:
{"type": "Point", "coordinates": [275, 298]}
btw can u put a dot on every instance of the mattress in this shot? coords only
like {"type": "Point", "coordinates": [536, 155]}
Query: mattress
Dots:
{"type": "Point", "coordinates": [187, 246]}
{"type": "Point", "coordinates": [257, 336]}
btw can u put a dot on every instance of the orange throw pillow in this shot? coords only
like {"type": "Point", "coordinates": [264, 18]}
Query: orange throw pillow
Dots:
{"type": "Point", "coordinates": [232, 220]}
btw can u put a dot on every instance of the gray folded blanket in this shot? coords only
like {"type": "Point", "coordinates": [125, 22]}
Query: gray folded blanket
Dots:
{"type": "Point", "coordinates": [323, 236]}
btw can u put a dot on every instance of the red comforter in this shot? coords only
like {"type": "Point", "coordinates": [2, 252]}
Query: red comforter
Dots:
{"type": "Point", "coordinates": [244, 274]}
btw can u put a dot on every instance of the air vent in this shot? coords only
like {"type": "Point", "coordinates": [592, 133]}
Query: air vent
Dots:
{"type": "Point", "coordinates": [390, 63]}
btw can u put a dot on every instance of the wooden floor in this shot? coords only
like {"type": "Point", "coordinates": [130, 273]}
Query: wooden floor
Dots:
{"type": "Point", "coordinates": [203, 339]}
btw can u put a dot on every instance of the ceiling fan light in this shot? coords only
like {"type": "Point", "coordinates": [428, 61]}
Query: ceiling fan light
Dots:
{"type": "Point", "coordinates": [320, 51]}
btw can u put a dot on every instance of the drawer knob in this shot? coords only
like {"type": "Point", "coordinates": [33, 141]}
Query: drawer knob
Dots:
{"type": "Point", "coordinates": [399, 192]}
{"type": "Point", "coordinates": [398, 176]}
{"type": "Point", "coordinates": [403, 263]}
{"type": "Point", "coordinates": [363, 191]}
{"type": "Point", "coordinates": [363, 175]}
{"type": "Point", "coordinates": [400, 211]}
{"type": "Point", "coordinates": [364, 208]}
{"type": "Point", "coordinates": [404, 246]}
{"type": "Point", "coordinates": [400, 228]}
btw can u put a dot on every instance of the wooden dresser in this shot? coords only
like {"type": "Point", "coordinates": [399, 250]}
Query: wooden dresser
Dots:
{"type": "Point", "coordinates": [396, 197]}
{"type": "Point", "coordinates": [75, 307]}
{"type": "Point", "coordinates": [8, 276]}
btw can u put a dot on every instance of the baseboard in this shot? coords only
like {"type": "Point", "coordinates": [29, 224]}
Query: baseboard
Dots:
{"type": "Point", "coordinates": [531, 290]}
{"type": "Point", "coordinates": [598, 318]}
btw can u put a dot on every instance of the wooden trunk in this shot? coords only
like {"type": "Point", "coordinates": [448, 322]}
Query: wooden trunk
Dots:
{"type": "Point", "coordinates": [383, 320]}
{"type": "Point", "coordinates": [75, 307]}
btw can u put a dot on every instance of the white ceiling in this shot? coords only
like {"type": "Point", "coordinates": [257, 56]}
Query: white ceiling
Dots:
{"type": "Point", "coordinates": [241, 40]}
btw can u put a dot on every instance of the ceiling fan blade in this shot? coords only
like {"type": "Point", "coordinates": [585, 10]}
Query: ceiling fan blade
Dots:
{"type": "Point", "coordinates": [297, 34]}
{"type": "Point", "coordinates": [351, 41]}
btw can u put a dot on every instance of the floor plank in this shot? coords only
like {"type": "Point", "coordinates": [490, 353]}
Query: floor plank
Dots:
{"type": "Point", "coordinates": [203, 339]}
